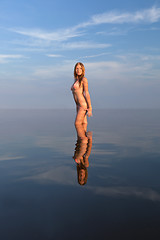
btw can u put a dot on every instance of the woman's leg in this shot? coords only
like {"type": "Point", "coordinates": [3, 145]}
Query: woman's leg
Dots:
{"type": "Point", "coordinates": [81, 117]}
{"type": "Point", "coordinates": [81, 133]}
{"type": "Point", "coordinates": [85, 122]}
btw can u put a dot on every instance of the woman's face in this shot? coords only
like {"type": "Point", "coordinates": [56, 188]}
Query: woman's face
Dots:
{"type": "Point", "coordinates": [79, 70]}
{"type": "Point", "coordinates": [81, 176]}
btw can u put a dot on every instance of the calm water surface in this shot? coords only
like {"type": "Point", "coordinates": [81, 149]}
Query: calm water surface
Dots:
{"type": "Point", "coordinates": [40, 197]}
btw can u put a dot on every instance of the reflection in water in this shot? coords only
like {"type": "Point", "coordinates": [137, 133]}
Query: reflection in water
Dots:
{"type": "Point", "coordinates": [38, 175]}
{"type": "Point", "coordinates": [82, 152]}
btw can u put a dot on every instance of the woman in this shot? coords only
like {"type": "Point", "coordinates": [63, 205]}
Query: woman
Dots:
{"type": "Point", "coordinates": [82, 153]}
{"type": "Point", "coordinates": [81, 95]}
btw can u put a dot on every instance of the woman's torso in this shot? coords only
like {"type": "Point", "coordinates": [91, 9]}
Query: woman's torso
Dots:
{"type": "Point", "coordinates": [77, 90]}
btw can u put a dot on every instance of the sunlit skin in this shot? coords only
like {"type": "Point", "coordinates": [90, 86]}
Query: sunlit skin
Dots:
{"type": "Point", "coordinates": [82, 97]}
{"type": "Point", "coordinates": [81, 176]}
{"type": "Point", "coordinates": [84, 140]}
{"type": "Point", "coordinates": [82, 153]}
{"type": "Point", "coordinates": [84, 108]}
{"type": "Point", "coordinates": [82, 143]}
{"type": "Point", "coordinates": [79, 70]}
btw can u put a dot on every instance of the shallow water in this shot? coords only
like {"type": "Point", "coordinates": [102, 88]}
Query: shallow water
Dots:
{"type": "Point", "coordinates": [40, 197]}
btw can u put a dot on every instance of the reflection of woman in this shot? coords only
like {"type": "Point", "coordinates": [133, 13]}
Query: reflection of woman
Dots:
{"type": "Point", "coordinates": [81, 94]}
{"type": "Point", "coordinates": [82, 174]}
{"type": "Point", "coordinates": [82, 153]}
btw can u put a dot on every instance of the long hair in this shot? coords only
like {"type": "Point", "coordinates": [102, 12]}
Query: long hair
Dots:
{"type": "Point", "coordinates": [79, 167]}
{"type": "Point", "coordinates": [83, 72]}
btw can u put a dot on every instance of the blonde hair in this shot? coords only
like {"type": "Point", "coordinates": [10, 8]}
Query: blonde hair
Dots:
{"type": "Point", "coordinates": [83, 72]}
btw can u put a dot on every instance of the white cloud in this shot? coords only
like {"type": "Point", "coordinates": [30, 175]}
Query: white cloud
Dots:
{"type": "Point", "coordinates": [84, 45]}
{"type": "Point", "coordinates": [134, 69]}
{"type": "Point", "coordinates": [95, 55]}
{"type": "Point", "coordinates": [114, 32]}
{"type": "Point", "coordinates": [148, 15]}
{"type": "Point", "coordinates": [59, 35]}
{"type": "Point", "coordinates": [59, 71]}
{"type": "Point", "coordinates": [5, 57]}
{"type": "Point", "coordinates": [54, 55]}
{"type": "Point", "coordinates": [126, 68]}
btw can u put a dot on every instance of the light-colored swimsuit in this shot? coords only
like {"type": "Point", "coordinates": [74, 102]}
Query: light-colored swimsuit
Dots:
{"type": "Point", "coordinates": [77, 91]}
{"type": "Point", "coordinates": [75, 86]}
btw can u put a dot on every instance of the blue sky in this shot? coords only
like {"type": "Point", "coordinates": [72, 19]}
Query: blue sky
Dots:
{"type": "Point", "coordinates": [118, 41]}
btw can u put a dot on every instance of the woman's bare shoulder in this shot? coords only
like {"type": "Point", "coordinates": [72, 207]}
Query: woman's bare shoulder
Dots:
{"type": "Point", "coordinates": [85, 79]}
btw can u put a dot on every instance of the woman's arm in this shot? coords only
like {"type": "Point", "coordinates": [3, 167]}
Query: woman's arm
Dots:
{"type": "Point", "coordinates": [87, 96]}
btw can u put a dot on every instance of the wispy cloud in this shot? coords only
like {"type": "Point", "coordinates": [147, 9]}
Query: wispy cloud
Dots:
{"type": "Point", "coordinates": [7, 157]}
{"type": "Point", "coordinates": [61, 175]}
{"type": "Point", "coordinates": [58, 35]}
{"type": "Point", "coordinates": [84, 45]}
{"type": "Point", "coordinates": [96, 55]}
{"type": "Point", "coordinates": [128, 68]}
{"type": "Point", "coordinates": [144, 193]}
{"type": "Point", "coordinates": [5, 57]}
{"type": "Point", "coordinates": [150, 15]}
{"type": "Point", "coordinates": [54, 55]}
{"type": "Point", "coordinates": [66, 176]}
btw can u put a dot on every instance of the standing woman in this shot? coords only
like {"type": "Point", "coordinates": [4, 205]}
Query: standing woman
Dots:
{"type": "Point", "coordinates": [81, 95]}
